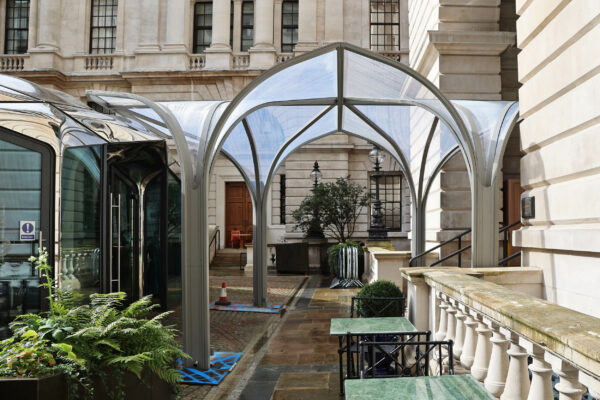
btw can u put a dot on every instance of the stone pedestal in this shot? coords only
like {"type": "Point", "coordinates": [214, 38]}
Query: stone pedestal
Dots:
{"type": "Point", "coordinates": [317, 254]}
{"type": "Point", "coordinates": [249, 267]}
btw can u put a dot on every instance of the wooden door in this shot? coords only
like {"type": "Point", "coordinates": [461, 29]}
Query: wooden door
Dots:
{"type": "Point", "coordinates": [512, 212]}
{"type": "Point", "coordinates": [238, 214]}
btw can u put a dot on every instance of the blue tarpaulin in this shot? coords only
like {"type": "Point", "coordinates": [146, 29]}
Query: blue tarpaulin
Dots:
{"type": "Point", "coordinates": [220, 365]}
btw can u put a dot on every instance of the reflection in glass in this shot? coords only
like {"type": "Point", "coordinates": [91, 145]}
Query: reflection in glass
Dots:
{"type": "Point", "coordinates": [152, 237]}
{"type": "Point", "coordinates": [174, 242]}
{"type": "Point", "coordinates": [80, 220]}
{"type": "Point", "coordinates": [20, 200]}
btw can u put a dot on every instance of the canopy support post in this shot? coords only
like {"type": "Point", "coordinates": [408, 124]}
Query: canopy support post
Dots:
{"type": "Point", "coordinates": [260, 254]}
{"type": "Point", "coordinates": [484, 223]}
{"type": "Point", "coordinates": [418, 233]}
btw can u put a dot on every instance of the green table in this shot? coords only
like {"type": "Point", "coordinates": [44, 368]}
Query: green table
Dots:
{"type": "Point", "coordinates": [346, 328]}
{"type": "Point", "coordinates": [447, 387]}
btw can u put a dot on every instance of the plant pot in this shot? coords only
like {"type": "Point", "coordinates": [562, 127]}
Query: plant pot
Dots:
{"type": "Point", "coordinates": [152, 388]}
{"type": "Point", "coordinates": [48, 388]}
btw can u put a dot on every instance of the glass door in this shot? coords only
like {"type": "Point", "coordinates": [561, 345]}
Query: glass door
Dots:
{"type": "Point", "coordinates": [26, 210]}
{"type": "Point", "coordinates": [124, 234]}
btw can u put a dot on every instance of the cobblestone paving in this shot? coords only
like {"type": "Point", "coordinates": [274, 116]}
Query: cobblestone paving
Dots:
{"type": "Point", "coordinates": [233, 331]}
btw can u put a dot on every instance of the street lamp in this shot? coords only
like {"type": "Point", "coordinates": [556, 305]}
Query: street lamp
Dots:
{"type": "Point", "coordinates": [377, 229]}
{"type": "Point", "coordinates": [315, 231]}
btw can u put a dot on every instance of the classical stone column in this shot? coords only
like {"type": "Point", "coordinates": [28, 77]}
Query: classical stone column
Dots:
{"type": "Point", "coordinates": [334, 21]}
{"type": "Point", "coordinates": [498, 366]}
{"type": "Point", "coordinates": [48, 26]}
{"type": "Point", "coordinates": [237, 26]}
{"type": "Point", "coordinates": [459, 337]}
{"type": "Point", "coordinates": [175, 49]}
{"type": "Point", "coordinates": [307, 26]}
{"type": "Point", "coordinates": [482, 352]}
{"type": "Point", "coordinates": [147, 50]}
{"type": "Point", "coordinates": [470, 344]}
{"type": "Point", "coordinates": [517, 378]}
{"type": "Point", "coordinates": [218, 55]}
{"type": "Point", "coordinates": [262, 54]}
{"type": "Point", "coordinates": [541, 375]}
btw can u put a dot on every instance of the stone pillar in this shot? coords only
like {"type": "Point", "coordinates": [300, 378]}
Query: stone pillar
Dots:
{"type": "Point", "coordinates": [468, 351]}
{"type": "Point", "coordinates": [307, 26]}
{"type": "Point", "coordinates": [262, 54]}
{"type": "Point", "coordinates": [175, 48]}
{"type": "Point", "coordinates": [218, 55]}
{"type": "Point", "coordinates": [147, 51]}
{"type": "Point", "coordinates": [237, 26]}
{"type": "Point", "coordinates": [517, 378]}
{"type": "Point", "coordinates": [44, 46]}
{"type": "Point", "coordinates": [334, 21]}
{"type": "Point", "coordinates": [541, 375]}
{"type": "Point", "coordinates": [479, 369]}
{"type": "Point", "coordinates": [498, 367]}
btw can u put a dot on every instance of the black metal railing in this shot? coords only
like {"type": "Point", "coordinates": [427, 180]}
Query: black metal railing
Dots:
{"type": "Point", "coordinates": [216, 240]}
{"type": "Point", "coordinates": [506, 257]}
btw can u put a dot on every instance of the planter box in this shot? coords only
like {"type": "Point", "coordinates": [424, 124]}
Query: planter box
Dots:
{"type": "Point", "coordinates": [49, 388]}
{"type": "Point", "coordinates": [136, 389]}
{"type": "Point", "coordinates": [292, 258]}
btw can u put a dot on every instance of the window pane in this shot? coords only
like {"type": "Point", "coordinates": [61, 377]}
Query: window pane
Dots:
{"type": "Point", "coordinates": [103, 26]}
{"type": "Point", "coordinates": [17, 26]}
{"type": "Point", "coordinates": [385, 32]}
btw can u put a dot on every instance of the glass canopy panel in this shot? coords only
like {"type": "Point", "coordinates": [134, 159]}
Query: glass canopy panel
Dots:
{"type": "Point", "coordinates": [315, 78]}
{"type": "Point", "coordinates": [510, 117]}
{"type": "Point", "coordinates": [37, 92]}
{"type": "Point", "coordinates": [238, 149]}
{"type": "Point", "coordinates": [353, 124]}
{"type": "Point", "coordinates": [272, 127]}
{"type": "Point", "coordinates": [393, 120]}
{"type": "Point", "coordinates": [442, 142]}
{"type": "Point", "coordinates": [326, 125]}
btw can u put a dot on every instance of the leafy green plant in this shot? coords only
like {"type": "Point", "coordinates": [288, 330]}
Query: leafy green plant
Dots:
{"type": "Point", "coordinates": [336, 205]}
{"type": "Point", "coordinates": [333, 251]}
{"type": "Point", "coordinates": [92, 339]}
{"type": "Point", "coordinates": [382, 288]}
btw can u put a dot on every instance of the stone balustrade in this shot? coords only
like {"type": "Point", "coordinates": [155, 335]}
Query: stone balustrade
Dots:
{"type": "Point", "coordinates": [197, 62]}
{"type": "Point", "coordinates": [78, 267]}
{"type": "Point", "coordinates": [498, 328]}
{"type": "Point", "coordinates": [241, 61]}
{"type": "Point", "coordinates": [12, 62]}
{"type": "Point", "coordinates": [98, 62]}
{"type": "Point", "coordinates": [283, 57]}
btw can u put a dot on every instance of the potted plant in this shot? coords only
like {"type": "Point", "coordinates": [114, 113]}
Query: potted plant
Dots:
{"type": "Point", "coordinates": [336, 206]}
{"type": "Point", "coordinates": [101, 349]}
{"type": "Point", "coordinates": [374, 301]}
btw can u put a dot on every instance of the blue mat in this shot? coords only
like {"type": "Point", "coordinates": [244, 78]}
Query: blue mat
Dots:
{"type": "Point", "coordinates": [220, 365]}
{"type": "Point", "coordinates": [237, 306]}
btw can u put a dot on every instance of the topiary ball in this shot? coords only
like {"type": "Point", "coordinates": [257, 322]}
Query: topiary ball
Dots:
{"type": "Point", "coordinates": [370, 308]}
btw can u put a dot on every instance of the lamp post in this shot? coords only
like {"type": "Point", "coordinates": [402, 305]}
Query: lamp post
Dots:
{"type": "Point", "coordinates": [377, 229]}
{"type": "Point", "coordinates": [315, 231]}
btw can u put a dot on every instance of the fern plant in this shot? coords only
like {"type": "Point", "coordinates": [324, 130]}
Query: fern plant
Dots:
{"type": "Point", "coordinates": [100, 336]}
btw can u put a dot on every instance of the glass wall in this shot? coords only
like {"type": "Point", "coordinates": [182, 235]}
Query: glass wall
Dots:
{"type": "Point", "coordinates": [174, 242]}
{"type": "Point", "coordinates": [152, 237]}
{"type": "Point", "coordinates": [80, 220]}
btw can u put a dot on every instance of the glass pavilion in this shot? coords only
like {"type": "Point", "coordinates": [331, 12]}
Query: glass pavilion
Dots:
{"type": "Point", "coordinates": [338, 88]}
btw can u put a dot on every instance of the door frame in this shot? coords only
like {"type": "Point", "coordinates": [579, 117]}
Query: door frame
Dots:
{"type": "Point", "coordinates": [48, 195]}
{"type": "Point", "coordinates": [251, 220]}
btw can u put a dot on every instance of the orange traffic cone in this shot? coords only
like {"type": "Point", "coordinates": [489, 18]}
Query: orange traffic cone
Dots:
{"type": "Point", "coordinates": [223, 297]}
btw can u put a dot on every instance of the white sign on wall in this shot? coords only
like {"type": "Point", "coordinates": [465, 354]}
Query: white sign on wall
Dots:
{"type": "Point", "coordinates": [26, 230]}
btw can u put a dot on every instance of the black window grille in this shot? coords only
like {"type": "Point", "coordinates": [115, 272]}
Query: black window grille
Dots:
{"type": "Point", "coordinates": [390, 195]}
{"type": "Point", "coordinates": [289, 25]}
{"type": "Point", "coordinates": [17, 26]}
{"type": "Point", "coordinates": [247, 25]}
{"type": "Point", "coordinates": [282, 199]}
{"type": "Point", "coordinates": [202, 25]}
{"type": "Point", "coordinates": [385, 25]}
{"type": "Point", "coordinates": [103, 26]}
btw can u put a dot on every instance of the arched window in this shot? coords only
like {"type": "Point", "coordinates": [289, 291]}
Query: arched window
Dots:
{"type": "Point", "coordinates": [17, 26]}
{"type": "Point", "coordinates": [289, 25]}
{"type": "Point", "coordinates": [202, 25]}
{"type": "Point", "coordinates": [103, 28]}
{"type": "Point", "coordinates": [385, 25]}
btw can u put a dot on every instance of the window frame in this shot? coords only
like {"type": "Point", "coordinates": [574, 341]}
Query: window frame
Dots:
{"type": "Point", "coordinates": [8, 29]}
{"type": "Point", "coordinates": [104, 50]}
{"type": "Point", "coordinates": [383, 190]}
{"type": "Point", "coordinates": [245, 26]}
{"type": "Point", "coordinates": [196, 28]}
{"type": "Point", "coordinates": [293, 27]}
{"type": "Point", "coordinates": [383, 46]}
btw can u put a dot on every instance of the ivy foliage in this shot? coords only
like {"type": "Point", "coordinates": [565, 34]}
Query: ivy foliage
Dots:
{"type": "Point", "coordinates": [85, 341]}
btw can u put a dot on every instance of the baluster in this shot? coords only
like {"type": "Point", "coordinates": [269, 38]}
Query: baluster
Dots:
{"type": "Point", "coordinates": [443, 324]}
{"type": "Point", "coordinates": [541, 375]}
{"type": "Point", "coordinates": [459, 337]}
{"type": "Point", "coordinates": [482, 352]}
{"type": "Point", "coordinates": [468, 351]}
{"type": "Point", "coordinates": [568, 386]}
{"type": "Point", "coordinates": [451, 323]}
{"type": "Point", "coordinates": [517, 379]}
{"type": "Point", "coordinates": [592, 384]}
{"type": "Point", "coordinates": [498, 366]}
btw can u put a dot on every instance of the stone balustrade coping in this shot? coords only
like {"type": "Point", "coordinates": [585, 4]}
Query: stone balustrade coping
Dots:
{"type": "Point", "coordinates": [569, 334]}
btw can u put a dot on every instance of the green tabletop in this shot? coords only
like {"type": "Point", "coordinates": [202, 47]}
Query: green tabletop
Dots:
{"type": "Point", "coordinates": [447, 387]}
{"type": "Point", "coordinates": [369, 326]}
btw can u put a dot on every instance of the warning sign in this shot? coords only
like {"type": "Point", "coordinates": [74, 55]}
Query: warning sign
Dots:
{"type": "Point", "coordinates": [26, 230]}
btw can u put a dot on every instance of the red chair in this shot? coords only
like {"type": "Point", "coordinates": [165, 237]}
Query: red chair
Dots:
{"type": "Point", "coordinates": [235, 239]}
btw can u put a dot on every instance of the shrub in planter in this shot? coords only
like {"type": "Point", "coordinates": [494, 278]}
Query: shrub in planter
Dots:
{"type": "Point", "coordinates": [367, 308]}
{"type": "Point", "coordinates": [93, 344]}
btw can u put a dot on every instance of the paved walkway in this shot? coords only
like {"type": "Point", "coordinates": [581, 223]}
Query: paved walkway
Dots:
{"type": "Point", "coordinates": [301, 361]}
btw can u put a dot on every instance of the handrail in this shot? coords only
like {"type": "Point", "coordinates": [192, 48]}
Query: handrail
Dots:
{"type": "Point", "coordinates": [216, 238]}
{"type": "Point", "coordinates": [459, 236]}
{"type": "Point", "coordinates": [506, 257]}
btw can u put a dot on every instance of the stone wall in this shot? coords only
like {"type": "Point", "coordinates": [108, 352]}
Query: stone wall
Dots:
{"type": "Point", "coordinates": [560, 136]}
